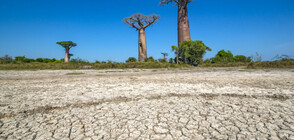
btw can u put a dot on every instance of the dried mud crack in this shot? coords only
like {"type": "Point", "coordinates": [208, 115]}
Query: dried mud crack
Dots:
{"type": "Point", "coordinates": [168, 104]}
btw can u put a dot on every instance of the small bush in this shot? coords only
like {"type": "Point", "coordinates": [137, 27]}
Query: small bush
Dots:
{"type": "Point", "coordinates": [149, 59]}
{"type": "Point", "coordinates": [131, 59]}
{"type": "Point", "coordinates": [78, 60]}
{"type": "Point", "coordinates": [241, 58]}
{"type": "Point", "coordinates": [223, 57]}
{"type": "Point", "coordinates": [161, 60]}
{"type": "Point", "coordinates": [39, 60]}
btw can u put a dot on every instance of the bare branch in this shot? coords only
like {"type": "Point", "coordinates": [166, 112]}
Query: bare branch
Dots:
{"type": "Point", "coordinates": [139, 21]}
{"type": "Point", "coordinates": [177, 2]}
{"type": "Point", "coordinates": [150, 20]}
{"type": "Point", "coordinates": [163, 2]}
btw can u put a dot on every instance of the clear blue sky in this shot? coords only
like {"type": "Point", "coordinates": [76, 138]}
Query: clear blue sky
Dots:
{"type": "Point", "coordinates": [31, 28]}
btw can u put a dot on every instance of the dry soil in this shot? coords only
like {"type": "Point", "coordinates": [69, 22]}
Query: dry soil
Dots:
{"type": "Point", "coordinates": [202, 103]}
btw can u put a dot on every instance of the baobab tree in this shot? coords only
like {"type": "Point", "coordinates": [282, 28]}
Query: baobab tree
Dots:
{"type": "Point", "coordinates": [183, 21]}
{"type": "Point", "coordinates": [140, 23]}
{"type": "Point", "coordinates": [67, 45]}
{"type": "Point", "coordinates": [164, 55]}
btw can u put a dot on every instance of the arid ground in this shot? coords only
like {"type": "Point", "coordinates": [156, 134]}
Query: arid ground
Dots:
{"type": "Point", "coordinates": [202, 103]}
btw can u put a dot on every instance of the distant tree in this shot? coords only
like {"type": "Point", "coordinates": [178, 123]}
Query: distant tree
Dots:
{"type": "Point", "coordinates": [161, 60]}
{"type": "Point", "coordinates": [131, 59]}
{"type": "Point", "coordinates": [19, 59]}
{"type": "Point", "coordinates": [149, 59]}
{"type": "Point", "coordinates": [256, 58]}
{"type": "Point", "coordinates": [5, 59]}
{"type": "Point", "coordinates": [282, 57]}
{"type": "Point", "coordinates": [70, 55]}
{"type": "Point", "coordinates": [183, 21]}
{"type": "Point", "coordinates": [27, 60]}
{"type": "Point", "coordinates": [191, 52]}
{"type": "Point", "coordinates": [171, 60]}
{"type": "Point", "coordinates": [164, 55]}
{"type": "Point", "coordinates": [140, 23]}
{"type": "Point", "coordinates": [67, 45]}
{"type": "Point", "coordinates": [223, 56]}
{"type": "Point", "coordinates": [176, 50]}
{"type": "Point", "coordinates": [207, 61]}
{"type": "Point", "coordinates": [47, 60]}
{"type": "Point", "coordinates": [39, 59]}
{"type": "Point", "coordinates": [249, 59]}
{"type": "Point", "coordinates": [241, 58]}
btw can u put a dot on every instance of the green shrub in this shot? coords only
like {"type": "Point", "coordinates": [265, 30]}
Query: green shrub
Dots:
{"type": "Point", "coordinates": [191, 52]}
{"type": "Point", "coordinates": [223, 57]}
{"type": "Point", "coordinates": [161, 60]}
{"type": "Point", "coordinates": [39, 60]}
{"type": "Point", "coordinates": [5, 59]}
{"type": "Point", "coordinates": [78, 60]}
{"type": "Point", "coordinates": [57, 61]}
{"type": "Point", "coordinates": [171, 60]}
{"type": "Point", "coordinates": [240, 58]}
{"type": "Point", "coordinates": [149, 59]}
{"type": "Point", "coordinates": [19, 59]}
{"type": "Point", "coordinates": [206, 61]}
{"type": "Point", "coordinates": [131, 59]}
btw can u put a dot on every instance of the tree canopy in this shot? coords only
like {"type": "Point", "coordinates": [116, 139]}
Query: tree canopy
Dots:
{"type": "Point", "coordinates": [191, 52]}
{"type": "Point", "coordinates": [227, 56]}
{"type": "Point", "coordinates": [164, 54]}
{"type": "Point", "coordinates": [66, 44]}
{"type": "Point", "coordinates": [140, 21]}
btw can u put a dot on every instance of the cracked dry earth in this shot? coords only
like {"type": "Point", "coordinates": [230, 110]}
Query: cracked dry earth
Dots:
{"type": "Point", "coordinates": [147, 104]}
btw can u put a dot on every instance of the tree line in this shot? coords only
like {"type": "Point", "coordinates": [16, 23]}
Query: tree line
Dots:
{"type": "Point", "coordinates": [140, 22]}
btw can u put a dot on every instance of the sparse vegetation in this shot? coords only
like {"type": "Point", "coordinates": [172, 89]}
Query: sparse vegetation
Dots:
{"type": "Point", "coordinates": [272, 64]}
{"type": "Point", "coordinates": [74, 73]}
{"type": "Point", "coordinates": [87, 65]}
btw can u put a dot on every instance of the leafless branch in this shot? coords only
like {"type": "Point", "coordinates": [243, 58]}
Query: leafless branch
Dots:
{"type": "Point", "coordinates": [139, 21]}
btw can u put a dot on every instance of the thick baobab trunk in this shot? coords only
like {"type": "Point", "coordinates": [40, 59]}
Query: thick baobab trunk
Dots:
{"type": "Point", "coordinates": [66, 57]}
{"type": "Point", "coordinates": [183, 24]}
{"type": "Point", "coordinates": [142, 45]}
